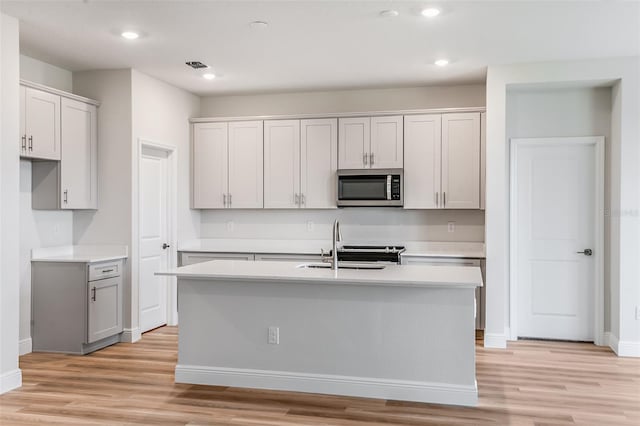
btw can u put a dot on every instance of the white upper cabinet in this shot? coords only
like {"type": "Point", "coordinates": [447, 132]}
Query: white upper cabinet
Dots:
{"type": "Point", "coordinates": [318, 163]}
{"type": "Point", "coordinates": [40, 124]}
{"type": "Point", "coordinates": [354, 143]}
{"type": "Point", "coordinates": [370, 142]}
{"type": "Point", "coordinates": [422, 143]}
{"type": "Point", "coordinates": [210, 165]}
{"type": "Point", "coordinates": [245, 165]}
{"type": "Point", "coordinates": [281, 164]}
{"type": "Point", "coordinates": [461, 161]}
{"type": "Point", "coordinates": [78, 171]}
{"type": "Point", "coordinates": [483, 158]}
{"type": "Point", "coordinates": [386, 142]}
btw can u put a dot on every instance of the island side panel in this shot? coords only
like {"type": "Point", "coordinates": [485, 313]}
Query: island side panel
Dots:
{"type": "Point", "coordinates": [387, 342]}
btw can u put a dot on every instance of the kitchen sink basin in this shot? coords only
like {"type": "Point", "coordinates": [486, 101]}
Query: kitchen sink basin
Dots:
{"type": "Point", "coordinates": [341, 265]}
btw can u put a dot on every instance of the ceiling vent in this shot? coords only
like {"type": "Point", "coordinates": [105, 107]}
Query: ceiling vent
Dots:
{"type": "Point", "coordinates": [196, 65]}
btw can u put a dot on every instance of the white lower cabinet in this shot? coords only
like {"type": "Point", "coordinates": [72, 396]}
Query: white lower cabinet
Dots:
{"type": "Point", "coordinates": [76, 307]}
{"type": "Point", "coordinates": [300, 163]}
{"type": "Point", "coordinates": [190, 258]}
{"type": "Point", "coordinates": [448, 261]}
{"type": "Point", "coordinates": [289, 257]}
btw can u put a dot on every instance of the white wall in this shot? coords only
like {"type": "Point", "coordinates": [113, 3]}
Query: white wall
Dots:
{"type": "Point", "coordinates": [10, 375]}
{"type": "Point", "coordinates": [38, 228]}
{"type": "Point", "coordinates": [41, 72]}
{"type": "Point", "coordinates": [111, 223]}
{"type": "Point", "coordinates": [360, 224]}
{"type": "Point", "coordinates": [161, 115]}
{"type": "Point", "coordinates": [344, 101]}
{"type": "Point", "coordinates": [545, 112]}
{"type": "Point", "coordinates": [624, 75]}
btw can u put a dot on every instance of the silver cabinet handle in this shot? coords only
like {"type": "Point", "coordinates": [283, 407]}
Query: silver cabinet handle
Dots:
{"type": "Point", "coordinates": [224, 200]}
{"type": "Point", "coordinates": [66, 196]}
{"type": "Point", "coordinates": [444, 199]}
{"type": "Point", "coordinates": [106, 271]}
{"type": "Point", "coordinates": [229, 200]}
{"type": "Point", "coordinates": [296, 199]}
{"type": "Point", "coordinates": [437, 198]}
{"type": "Point", "coordinates": [24, 142]}
{"type": "Point", "coordinates": [365, 157]}
{"type": "Point", "coordinates": [93, 294]}
{"type": "Point", "coordinates": [303, 200]}
{"type": "Point", "coordinates": [31, 143]}
{"type": "Point", "coordinates": [586, 252]}
{"type": "Point", "coordinates": [371, 160]}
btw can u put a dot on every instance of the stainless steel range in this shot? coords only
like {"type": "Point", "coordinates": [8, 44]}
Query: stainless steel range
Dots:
{"type": "Point", "coordinates": [389, 254]}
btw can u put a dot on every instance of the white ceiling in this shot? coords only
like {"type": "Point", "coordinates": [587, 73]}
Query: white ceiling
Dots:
{"type": "Point", "coordinates": [314, 45]}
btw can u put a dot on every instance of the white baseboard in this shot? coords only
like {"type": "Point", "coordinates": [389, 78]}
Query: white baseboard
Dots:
{"type": "Point", "coordinates": [495, 340]}
{"type": "Point", "coordinates": [130, 335]}
{"type": "Point", "coordinates": [25, 346]}
{"type": "Point", "coordinates": [439, 393]}
{"type": "Point", "coordinates": [10, 380]}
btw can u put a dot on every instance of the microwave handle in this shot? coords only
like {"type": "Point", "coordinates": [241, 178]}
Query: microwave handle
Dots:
{"type": "Point", "coordinates": [388, 187]}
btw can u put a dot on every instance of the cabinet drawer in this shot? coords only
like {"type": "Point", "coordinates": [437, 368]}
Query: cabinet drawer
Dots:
{"type": "Point", "coordinates": [104, 270]}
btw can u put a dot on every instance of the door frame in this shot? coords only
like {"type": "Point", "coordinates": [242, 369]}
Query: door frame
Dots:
{"type": "Point", "coordinates": [598, 142]}
{"type": "Point", "coordinates": [172, 223]}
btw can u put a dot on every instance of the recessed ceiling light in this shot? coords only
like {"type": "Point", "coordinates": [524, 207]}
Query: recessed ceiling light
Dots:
{"type": "Point", "coordinates": [208, 76]}
{"type": "Point", "coordinates": [430, 12]}
{"type": "Point", "coordinates": [130, 35]}
{"type": "Point", "coordinates": [442, 62]}
{"type": "Point", "coordinates": [390, 13]}
{"type": "Point", "coordinates": [259, 24]}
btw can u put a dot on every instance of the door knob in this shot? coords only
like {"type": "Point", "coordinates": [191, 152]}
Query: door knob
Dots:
{"type": "Point", "coordinates": [165, 246]}
{"type": "Point", "coordinates": [586, 252]}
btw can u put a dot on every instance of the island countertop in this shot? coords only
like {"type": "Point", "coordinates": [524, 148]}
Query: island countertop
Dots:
{"type": "Point", "coordinates": [390, 276]}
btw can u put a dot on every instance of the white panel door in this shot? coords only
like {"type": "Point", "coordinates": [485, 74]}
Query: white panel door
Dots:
{"type": "Point", "coordinates": [555, 219]}
{"type": "Point", "coordinates": [318, 163]}
{"type": "Point", "coordinates": [354, 142]}
{"type": "Point", "coordinates": [282, 164]}
{"type": "Point", "coordinates": [245, 165]}
{"type": "Point", "coordinates": [461, 161]}
{"type": "Point", "coordinates": [422, 143]}
{"type": "Point", "coordinates": [210, 165]}
{"type": "Point", "coordinates": [79, 155]}
{"type": "Point", "coordinates": [42, 124]}
{"type": "Point", "coordinates": [154, 198]}
{"type": "Point", "coordinates": [386, 142]}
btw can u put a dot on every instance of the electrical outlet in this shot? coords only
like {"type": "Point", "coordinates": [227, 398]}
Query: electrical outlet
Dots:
{"type": "Point", "coordinates": [310, 226]}
{"type": "Point", "coordinates": [230, 226]}
{"type": "Point", "coordinates": [451, 227]}
{"type": "Point", "coordinates": [637, 312]}
{"type": "Point", "coordinates": [274, 335]}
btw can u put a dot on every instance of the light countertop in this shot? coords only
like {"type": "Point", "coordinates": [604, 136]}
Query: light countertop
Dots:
{"type": "Point", "coordinates": [466, 250]}
{"type": "Point", "coordinates": [390, 276]}
{"type": "Point", "coordinates": [79, 254]}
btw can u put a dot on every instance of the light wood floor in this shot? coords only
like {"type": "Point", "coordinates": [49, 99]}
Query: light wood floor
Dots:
{"type": "Point", "coordinates": [539, 383]}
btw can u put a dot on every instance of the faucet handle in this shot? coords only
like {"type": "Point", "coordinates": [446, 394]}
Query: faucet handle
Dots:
{"type": "Point", "coordinates": [324, 256]}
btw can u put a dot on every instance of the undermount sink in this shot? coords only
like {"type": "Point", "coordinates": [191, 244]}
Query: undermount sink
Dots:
{"type": "Point", "coordinates": [341, 266]}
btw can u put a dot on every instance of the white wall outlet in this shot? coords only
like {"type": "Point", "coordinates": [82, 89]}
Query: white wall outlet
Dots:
{"type": "Point", "coordinates": [310, 226]}
{"type": "Point", "coordinates": [230, 226]}
{"type": "Point", "coordinates": [451, 227]}
{"type": "Point", "coordinates": [637, 312]}
{"type": "Point", "coordinates": [274, 335]}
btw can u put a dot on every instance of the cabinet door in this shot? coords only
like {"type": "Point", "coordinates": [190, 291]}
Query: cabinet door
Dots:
{"type": "Point", "coordinates": [245, 165]}
{"type": "Point", "coordinates": [289, 257]}
{"type": "Point", "coordinates": [386, 142]}
{"type": "Point", "coordinates": [209, 166]}
{"type": "Point", "coordinates": [105, 308]}
{"type": "Point", "coordinates": [483, 158]}
{"type": "Point", "coordinates": [42, 124]}
{"type": "Point", "coordinates": [282, 164]}
{"type": "Point", "coordinates": [78, 167]}
{"type": "Point", "coordinates": [461, 161]}
{"type": "Point", "coordinates": [193, 258]}
{"type": "Point", "coordinates": [23, 130]}
{"type": "Point", "coordinates": [422, 140]}
{"type": "Point", "coordinates": [318, 163]}
{"type": "Point", "coordinates": [354, 142]}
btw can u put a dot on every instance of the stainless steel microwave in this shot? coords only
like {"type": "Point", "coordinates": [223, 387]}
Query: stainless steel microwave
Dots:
{"type": "Point", "coordinates": [370, 187]}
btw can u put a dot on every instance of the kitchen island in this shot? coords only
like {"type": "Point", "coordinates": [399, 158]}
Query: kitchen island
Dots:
{"type": "Point", "coordinates": [402, 332]}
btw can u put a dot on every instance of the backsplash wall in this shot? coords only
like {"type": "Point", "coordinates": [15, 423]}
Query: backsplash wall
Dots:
{"type": "Point", "coordinates": [357, 224]}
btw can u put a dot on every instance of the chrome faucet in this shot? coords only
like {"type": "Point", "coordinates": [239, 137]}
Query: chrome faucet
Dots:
{"type": "Point", "coordinates": [336, 238]}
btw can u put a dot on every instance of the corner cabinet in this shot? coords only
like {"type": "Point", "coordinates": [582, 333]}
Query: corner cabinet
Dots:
{"type": "Point", "coordinates": [60, 130]}
{"type": "Point", "coordinates": [442, 161]}
{"type": "Point", "coordinates": [371, 142]}
{"type": "Point", "coordinates": [227, 165]}
{"type": "Point", "coordinates": [300, 163]}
